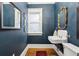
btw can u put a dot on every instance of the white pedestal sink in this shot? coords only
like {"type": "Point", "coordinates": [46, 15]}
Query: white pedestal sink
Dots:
{"type": "Point", "coordinates": [59, 37]}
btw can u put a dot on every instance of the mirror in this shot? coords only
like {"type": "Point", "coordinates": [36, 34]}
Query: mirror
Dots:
{"type": "Point", "coordinates": [62, 18]}
{"type": "Point", "coordinates": [10, 16]}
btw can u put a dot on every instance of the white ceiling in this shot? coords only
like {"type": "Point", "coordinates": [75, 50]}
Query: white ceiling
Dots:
{"type": "Point", "coordinates": [41, 2]}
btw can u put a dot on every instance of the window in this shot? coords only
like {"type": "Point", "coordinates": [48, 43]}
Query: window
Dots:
{"type": "Point", "coordinates": [35, 21]}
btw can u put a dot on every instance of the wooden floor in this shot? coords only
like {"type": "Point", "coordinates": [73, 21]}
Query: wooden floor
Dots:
{"type": "Point", "coordinates": [32, 51]}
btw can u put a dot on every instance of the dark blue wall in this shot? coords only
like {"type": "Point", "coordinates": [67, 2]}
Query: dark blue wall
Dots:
{"type": "Point", "coordinates": [14, 41]}
{"type": "Point", "coordinates": [72, 19]}
{"type": "Point", "coordinates": [47, 23]}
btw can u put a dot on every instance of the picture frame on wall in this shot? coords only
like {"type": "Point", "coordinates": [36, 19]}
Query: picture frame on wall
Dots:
{"type": "Point", "coordinates": [11, 16]}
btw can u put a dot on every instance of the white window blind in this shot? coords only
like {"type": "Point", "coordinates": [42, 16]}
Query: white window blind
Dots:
{"type": "Point", "coordinates": [35, 21]}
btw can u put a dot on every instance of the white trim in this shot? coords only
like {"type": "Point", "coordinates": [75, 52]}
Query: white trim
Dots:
{"type": "Point", "coordinates": [35, 10]}
{"type": "Point", "coordinates": [35, 34]}
{"type": "Point", "coordinates": [41, 46]}
{"type": "Point", "coordinates": [2, 17]}
{"type": "Point", "coordinates": [17, 18]}
{"type": "Point", "coordinates": [6, 3]}
{"type": "Point", "coordinates": [41, 2]}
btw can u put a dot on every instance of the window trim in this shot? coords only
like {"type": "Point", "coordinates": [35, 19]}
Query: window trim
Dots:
{"type": "Point", "coordinates": [35, 10]}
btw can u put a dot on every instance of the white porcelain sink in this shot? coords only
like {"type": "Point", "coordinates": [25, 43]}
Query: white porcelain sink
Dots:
{"type": "Point", "coordinates": [56, 39]}
{"type": "Point", "coordinates": [59, 36]}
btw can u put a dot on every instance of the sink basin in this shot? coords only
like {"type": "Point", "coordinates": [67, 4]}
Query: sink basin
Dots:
{"type": "Point", "coordinates": [60, 36]}
{"type": "Point", "coordinates": [57, 39]}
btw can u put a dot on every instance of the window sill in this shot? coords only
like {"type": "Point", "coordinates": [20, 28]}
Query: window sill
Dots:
{"type": "Point", "coordinates": [35, 34]}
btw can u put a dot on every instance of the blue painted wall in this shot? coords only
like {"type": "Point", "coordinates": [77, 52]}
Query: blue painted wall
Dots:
{"type": "Point", "coordinates": [72, 19]}
{"type": "Point", "coordinates": [47, 23]}
{"type": "Point", "coordinates": [14, 41]}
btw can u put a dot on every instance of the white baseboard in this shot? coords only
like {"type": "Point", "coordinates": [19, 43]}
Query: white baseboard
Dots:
{"type": "Point", "coordinates": [41, 46]}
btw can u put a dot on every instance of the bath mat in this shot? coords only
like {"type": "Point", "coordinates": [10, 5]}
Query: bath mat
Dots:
{"type": "Point", "coordinates": [41, 53]}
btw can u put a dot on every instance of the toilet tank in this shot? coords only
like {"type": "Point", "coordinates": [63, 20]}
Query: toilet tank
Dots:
{"type": "Point", "coordinates": [70, 49]}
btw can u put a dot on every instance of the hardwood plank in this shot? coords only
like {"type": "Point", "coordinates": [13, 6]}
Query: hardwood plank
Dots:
{"type": "Point", "coordinates": [32, 51]}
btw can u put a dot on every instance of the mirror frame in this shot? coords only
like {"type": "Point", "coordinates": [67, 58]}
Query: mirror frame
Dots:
{"type": "Point", "coordinates": [65, 10]}
{"type": "Point", "coordinates": [17, 10]}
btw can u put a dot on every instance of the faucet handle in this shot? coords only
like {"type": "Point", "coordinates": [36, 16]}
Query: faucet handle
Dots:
{"type": "Point", "coordinates": [60, 36]}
